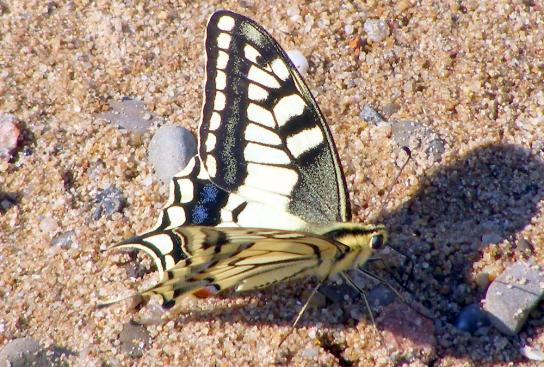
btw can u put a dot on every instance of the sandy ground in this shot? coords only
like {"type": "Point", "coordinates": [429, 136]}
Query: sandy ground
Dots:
{"type": "Point", "coordinates": [472, 74]}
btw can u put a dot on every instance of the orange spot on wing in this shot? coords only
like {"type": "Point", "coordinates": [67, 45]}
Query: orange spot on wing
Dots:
{"type": "Point", "coordinates": [205, 292]}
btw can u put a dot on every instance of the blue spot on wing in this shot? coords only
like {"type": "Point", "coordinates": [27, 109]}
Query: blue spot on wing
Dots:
{"type": "Point", "coordinates": [206, 209]}
{"type": "Point", "coordinates": [199, 215]}
{"type": "Point", "coordinates": [208, 194]}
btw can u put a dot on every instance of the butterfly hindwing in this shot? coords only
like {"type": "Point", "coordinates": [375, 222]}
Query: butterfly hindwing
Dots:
{"type": "Point", "coordinates": [193, 199]}
{"type": "Point", "coordinates": [262, 135]}
{"type": "Point", "coordinates": [245, 258]}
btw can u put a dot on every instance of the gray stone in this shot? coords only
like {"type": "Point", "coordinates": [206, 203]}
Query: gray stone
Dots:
{"type": "Point", "coordinates": [310, 353]}
{"type": "Point", "coordinates": [63, 240]}
{"type": "Point", "coordinates": [129, 114]}
{"type": "Point", "coordinates": [170, 150]}
{"type": "Point", "coordinates": [370, 115]}
{"type": "Point", "coordinates": [134, 340]}
{"type": "Point", "coordinates": [23, 352]}
{"type": "Point", "coordinates": [380, 296]}
{"type": "Point", "coordinates": [9, 136]}
{"type": "Point", "coordinates": [298, 59]}
{"type": "Point", "coordinates": [108, 201]}
{"type": "Point", "coordinates": [513, 295]}
{"type": "Point", "coordinates": [533, 354]}
{"type": "Point", "coordinates": [390, 109]}
{"type": "Point", "coordinates": [471, 318]}
{"type": "Point", "coordinates": [376, 29]}
{"type": "Point", "coordinates": [418, 138]}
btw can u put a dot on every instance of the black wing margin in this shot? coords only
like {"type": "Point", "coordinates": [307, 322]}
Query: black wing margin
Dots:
{"type": "Point", "coordinates": [262, 134]}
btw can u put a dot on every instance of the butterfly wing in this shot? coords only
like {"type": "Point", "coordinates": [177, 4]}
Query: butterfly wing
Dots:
{"type": "Point", "coordinates": [262, 136]}
{"type": "Point", "coordinates": [211, 259]}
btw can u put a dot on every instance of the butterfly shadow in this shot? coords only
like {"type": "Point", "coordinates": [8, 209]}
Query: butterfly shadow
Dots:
{"type": "Point", "coordinates": [491, 193]}
{"type": "Point", "coordinates": [469, 210]}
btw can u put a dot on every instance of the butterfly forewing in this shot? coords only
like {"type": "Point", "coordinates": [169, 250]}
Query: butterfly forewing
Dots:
{"type": "Point", "coordinates": [262, 135]}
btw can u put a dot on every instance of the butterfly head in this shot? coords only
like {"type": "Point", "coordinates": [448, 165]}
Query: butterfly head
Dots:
{"type": "Point", "coordinates": [362, 240]}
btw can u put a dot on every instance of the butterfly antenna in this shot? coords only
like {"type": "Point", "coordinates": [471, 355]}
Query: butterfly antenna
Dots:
{"type": "Point", "coordinates": [412, 264]}
{"type": "Point", "coordinates": [300, 314]}
{"type": "Point", "coordinates": [363, 294]}
{"type": "Point", "coordinates": [396, 179]}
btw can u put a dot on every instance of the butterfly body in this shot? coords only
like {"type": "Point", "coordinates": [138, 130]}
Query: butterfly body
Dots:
{"type": "Point", "coordinates": [265, 198]}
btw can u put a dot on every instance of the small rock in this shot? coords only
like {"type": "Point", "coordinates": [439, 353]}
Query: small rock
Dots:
{"type": "Point", "coordinates": [408, 333]}
{"type": "Point", "coordinates": [298, 59]}
{"type": "Point", "coordinates": [376, 29]}
{"type": "Point", "coordinates": [532, 354]}
{"type": "Point", "coordinates": [7, 201]}
{"type": "Point", "coordinates": [370, 115]}
{"type": "Point", "coordinates": [134, 340]}
{"type": "Point", "coordinates": [23, 352]}
{"type": "Point", "coordinates": [170, 150]}
{"type": "Point", "coordinates": [48, 224]}
{"type": "Point", "coordinates": [435, 149]}
{"type": "Point", "coordinates": [390, 109]}
{"type": "Point", "coordinates": [338, 293]}
{"type": "Point", "coordinates": [9, 136]}
{"type": "Point", "coordinates": [482, 279]}
{"type": "Point", "coordinates": [310, 353]}
{"type": "Point", "coordinates": [471, 318]}
{"type": "Point", "coordinates": [63, 240]}
{"type": "Point", "coordinates": [380, 296]}
{"type": "Point", "coordinates": [524, 247]}
{"type": "Point", "coordinates": [513, 295]}
{"type": "Point", "coordinates": [108, 201]}
{"type": "Point", "coordinates": [129, 114]}
{"type": "Point", "coordinates": [418, 138]}
{"type": "Point", "coordinates": [491, 238]}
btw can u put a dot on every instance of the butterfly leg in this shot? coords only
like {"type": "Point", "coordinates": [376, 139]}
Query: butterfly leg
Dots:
{"type": "Point", "coordinates": [300, 313]}
{"type": "Point", "coordinates": [361, 292]}
{"type": "Point", "coordinates": [381, 280]}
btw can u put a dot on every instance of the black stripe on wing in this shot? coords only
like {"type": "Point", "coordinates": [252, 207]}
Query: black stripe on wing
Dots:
{"type": "Point", "coordinates": [192, 201]}
{"type": "Point", "coordinates": [257, 109]}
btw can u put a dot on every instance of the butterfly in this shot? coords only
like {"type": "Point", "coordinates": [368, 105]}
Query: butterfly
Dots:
{"type": "Point", "coordinates": [265, 198]}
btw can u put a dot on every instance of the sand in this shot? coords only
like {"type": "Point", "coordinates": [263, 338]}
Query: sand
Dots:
{"type": "Point", "coordinates": [472, 74]}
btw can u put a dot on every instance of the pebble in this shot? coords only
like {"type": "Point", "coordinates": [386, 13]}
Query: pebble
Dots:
{"type": "Point", "coordinates": [7, 201]}
{"type": "Point", "coordinates": [491, 238]}
{"type": "Point", "coordinates": [471, 318]}
{"type": "Point", "coordinates": [9, 136]}
{"type": "Point", "coordinates": [129, 114]}
{"type": "Point", "coordinates": [380, 296]}
{"type": "Point", "coordinates": [370, 115]}
{"type": "Point", "coordinates": [134, 340]}
{"type": "Point", "coordinates": [532, 354]}
{"type": "Point", "coordinates": [63, 240]}
{"type": "Point", "coordinates": [513, 295]}
{"type": "Point", "coordinates": [524, 247]}
{"type": "Point", "coordinates": [407, 333]}
{"type": "Point", "coordinates": [48, 224]}
{"type": "Point", "coordinates": [23, 352]}
{"type": "Point", "coordinates": [170, 150]}
{"type": "Point", "coordinates": [376, 29]}
{"type": "Point", "coordinates": [390, 109]}
{"type": "Point", "coordinates": [482, 279]}
{"type": "Point", "coordinates": [339, 293]}
{"type": "Point", "coordinates": [108, 201]}
{"type": "Point", "coordinates": [300, 62]}
{"type": "Point", "coordinates": [310, 353]}
{"type": "Point", "coordinates": [418, 138]}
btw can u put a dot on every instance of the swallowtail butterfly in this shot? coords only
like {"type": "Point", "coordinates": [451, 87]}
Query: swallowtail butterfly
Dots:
{"type": "Point", "coordinates": [265, 198]}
